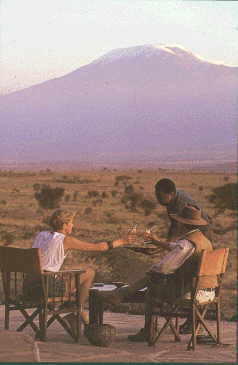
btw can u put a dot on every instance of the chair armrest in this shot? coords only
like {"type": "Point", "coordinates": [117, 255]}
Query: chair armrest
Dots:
{"type": "Point", "coordinates": [73, 271]}
{"type": "Point", "coordinates": [76, 271]}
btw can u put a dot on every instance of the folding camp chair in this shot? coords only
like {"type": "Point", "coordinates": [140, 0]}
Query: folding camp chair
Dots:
{"type": "Point", "coordinates": [211, 263]}
{"type": "Point", "coordinates": [22, 267]}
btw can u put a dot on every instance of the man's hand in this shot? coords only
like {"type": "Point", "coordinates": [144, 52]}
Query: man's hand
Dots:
{"type": "Point", "coordinates": [128, 239]}
{"type": "Point", "coordinates": [148, 236]}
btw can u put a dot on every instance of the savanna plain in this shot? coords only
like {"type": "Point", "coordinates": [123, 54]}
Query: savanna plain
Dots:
{"type": "Point", "coordinates": [109, 201]}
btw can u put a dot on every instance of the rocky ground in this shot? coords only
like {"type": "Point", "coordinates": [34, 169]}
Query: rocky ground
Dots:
{"type": "Point", "coordinates": [60, 348]}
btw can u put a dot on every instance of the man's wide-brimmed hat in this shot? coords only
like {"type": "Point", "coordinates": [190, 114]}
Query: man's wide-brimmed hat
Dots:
{"type": "Point", "coordinates": [190, 215]}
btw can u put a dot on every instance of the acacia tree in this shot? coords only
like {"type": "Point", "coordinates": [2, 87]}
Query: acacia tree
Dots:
{"type": "Point", "coordinates": [148, 206]}
{"type": "Point", "coordinates": [48, 197]}
{"type": "Point", "coordinates": [224, 197]}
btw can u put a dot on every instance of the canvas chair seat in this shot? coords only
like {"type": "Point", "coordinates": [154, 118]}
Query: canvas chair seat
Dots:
{"type": "Point", "coordinates": [211, 263]}
{"type": "Point", "coordinates": [16, 265]}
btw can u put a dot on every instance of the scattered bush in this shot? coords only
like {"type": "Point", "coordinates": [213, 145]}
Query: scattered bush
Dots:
{"type": "Point", "coordinates": [75, 195]}
{"type": "Point", "coordinates": [97, 202]}
{"type": "Point", "coordinates": [121, 179]}
{"type": "Point", "coordinates": [7, 237]}
{"type": "Point", "coordinates": [73, 180]}
{"type": "Point", "coordinates": [93, 194]}
{"type": "Point", "coordinates": [87, 211]}
{"type": "Point", "coordinates": [132, 201]}
{"type": "Point", "coordinates": [28, 234]}
{"type": "Point", "coordinates": [67, 198]}
{"type": "Point", "coordinates": [148, 206]}
{"type": "Point", "coordinates": [111, 218]}
{"type": "Point", "coordinates": [224, 197]}
{"type": "Point", "coordinates": [129, 189]}
{"type": "Point", "coordinates": [36, 187]}
{"type": "Point", "coordinates": [48, 197]}
{"type": "Point", "coordinates": [104, 195]}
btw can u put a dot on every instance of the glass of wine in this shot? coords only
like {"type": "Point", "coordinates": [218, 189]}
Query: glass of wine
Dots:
{"type": "Point", "coordinates": [132, 233]}
{"type": "Point", "coordinates": [150, 228]}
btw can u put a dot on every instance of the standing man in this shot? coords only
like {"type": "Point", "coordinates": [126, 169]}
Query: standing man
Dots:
{"type": "Point", "coordinates": [175, 200]}
{"type": "Point", "coordinates": [177, 267]}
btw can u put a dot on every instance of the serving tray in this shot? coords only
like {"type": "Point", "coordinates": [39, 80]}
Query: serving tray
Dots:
{"type": "Point", "coordinates": [143, 249]}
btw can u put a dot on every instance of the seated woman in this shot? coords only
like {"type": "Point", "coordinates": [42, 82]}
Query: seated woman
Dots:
{"type": "Point", "coordinates": [54, 245]}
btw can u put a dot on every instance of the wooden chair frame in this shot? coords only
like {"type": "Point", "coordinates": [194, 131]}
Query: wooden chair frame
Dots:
{"type": "Point", "coordinates": [16, 264]}
{"type": "Point", "coordinates": [211, 263]}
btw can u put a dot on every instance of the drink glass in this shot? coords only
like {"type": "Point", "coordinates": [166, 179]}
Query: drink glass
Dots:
{"type": "Point", "coordinates": [149, 230]}
{"type": "Point", "coordinates": [133, 231]}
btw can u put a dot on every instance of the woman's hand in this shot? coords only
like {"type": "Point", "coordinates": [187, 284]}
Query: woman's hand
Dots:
{"type": "Point", "coordinates": [119, 242]}
{"type": "Point", "coordinates": [129, 239]}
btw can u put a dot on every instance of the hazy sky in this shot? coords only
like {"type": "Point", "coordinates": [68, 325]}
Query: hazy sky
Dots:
{"type": "Point", "coordinates": [42, 39]}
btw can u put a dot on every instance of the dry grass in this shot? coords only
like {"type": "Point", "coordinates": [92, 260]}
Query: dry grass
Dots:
{"type": "Point", "coordinates": [21, 218]}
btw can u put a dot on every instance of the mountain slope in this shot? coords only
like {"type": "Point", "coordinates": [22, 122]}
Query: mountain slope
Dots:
{"type": "Point", "coordinates": [141, 101]}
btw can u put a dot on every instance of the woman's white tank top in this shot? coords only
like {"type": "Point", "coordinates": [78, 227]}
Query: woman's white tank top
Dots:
{"type": "Point", "coordinates": [51, 246]}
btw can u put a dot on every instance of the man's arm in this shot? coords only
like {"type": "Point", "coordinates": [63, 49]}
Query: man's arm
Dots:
{"type": "Point", "coordinates": [155, 240]}
{"type": "Point", "coordinates": [180, 252]}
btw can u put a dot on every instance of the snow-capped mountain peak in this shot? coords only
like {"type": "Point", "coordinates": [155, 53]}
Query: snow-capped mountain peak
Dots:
{"type": "Point", "coordinates": [145, 51]}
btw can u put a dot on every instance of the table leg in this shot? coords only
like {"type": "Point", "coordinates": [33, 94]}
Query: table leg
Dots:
{"type": "Point", "coordinates": [96, 308]}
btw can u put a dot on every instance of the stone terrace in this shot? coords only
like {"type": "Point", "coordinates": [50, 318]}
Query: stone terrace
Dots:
{"type": "Point", "coordinates": [60, 348]}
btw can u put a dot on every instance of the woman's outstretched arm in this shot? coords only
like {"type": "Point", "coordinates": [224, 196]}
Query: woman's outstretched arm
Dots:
{"type": "Point", "coordinates": [74, 243]}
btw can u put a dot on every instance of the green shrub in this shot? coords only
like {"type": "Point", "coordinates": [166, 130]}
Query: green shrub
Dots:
{"type": "Point", "coordinates": [122, 179]}
{"type": "Point", "coordinates": [93, 194]}
{"type": "Point", "coordinates": [224, 197]}
{"type": "Point", "coordinates": [129, 189]}
{"type": "Point", "coordinates": [67, 198]}
{"type": "Point", "coordinates": [87, 211]}
{"type": "Point", "coordinates": [75, 195]}
{"type": "Point", "coordinates": [36, 187]}
{"type": "Point", "coordinates": [148, 206]}
{"type": "Point", "coordinates": [7, 237]}
{"type": "Point", "coordinates": [132, 201]}
{"type": "Point", "coordinates": [28, 234]}
{"type": "Point", "coordinates": [48, 197]}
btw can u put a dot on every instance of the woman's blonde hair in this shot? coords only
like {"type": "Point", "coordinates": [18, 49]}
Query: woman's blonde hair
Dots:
{"type": "Point", "coordinates": [59, 218]}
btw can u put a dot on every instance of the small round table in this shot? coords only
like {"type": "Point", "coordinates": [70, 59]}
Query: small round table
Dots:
{"type": "Point", "coordinates": [96, 305]}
